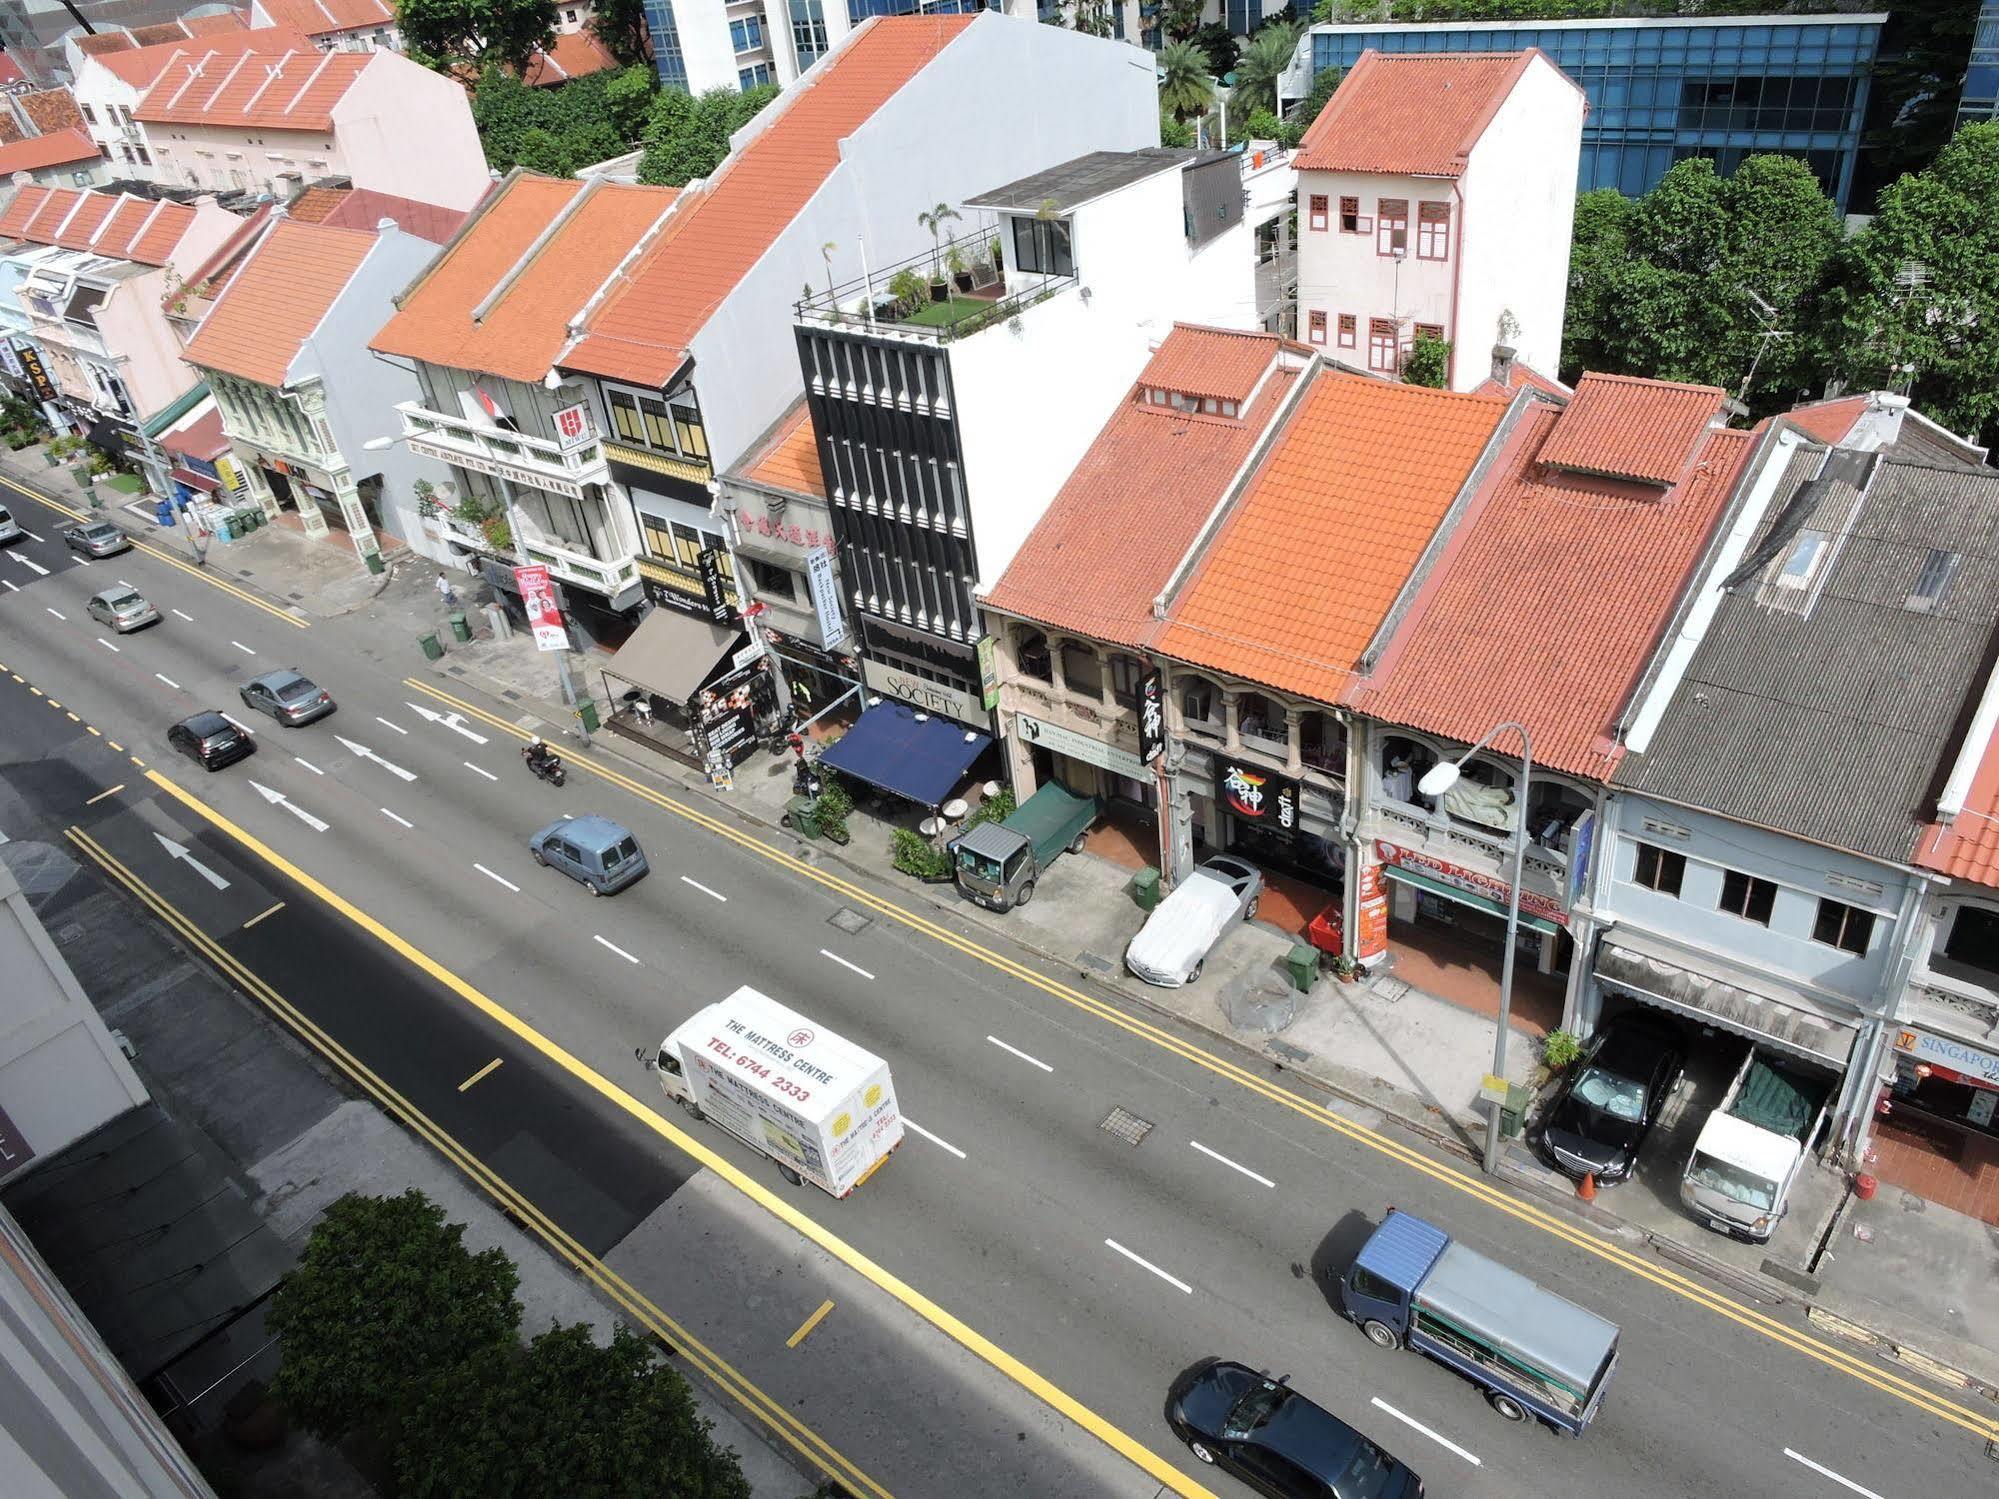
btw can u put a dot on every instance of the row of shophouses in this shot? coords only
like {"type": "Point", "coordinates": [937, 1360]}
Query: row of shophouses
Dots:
{"type": "Point", "coordinates": [1135, 500]}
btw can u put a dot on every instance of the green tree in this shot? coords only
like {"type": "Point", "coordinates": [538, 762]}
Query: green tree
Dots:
{"type": "Point", "coordinates": [1174, 132]}
{"type": "Point", "coordinates": [503, 108]}
{"type": "Point", "coordinates": [1185, 89]}
{"type": "Point", "coordinates": [1262, 125]}
{"type": "Point", "coordinates": [1180, 19]}
{"type": "Point", "coordinates": [688, 138]}
{"type": "Point", "coordinates": [1598, 250]}
{"type": "Point", "coordinates": [565, 1416]}
{"type": "Point", "coordinates": [542, 152]}
{"type": "Point", "coordinates": [1920, 286]}
{"type": "Point", "coordinates": [1323, 13]}
{"type": "Point", "coordinates": [670, 116]}
{"type": "Point", "coordinates": [451, 35]}
{"type": "Point", "coordinates": [1428, 362]}
{"type": "Point", "coordinates": [621, 26]}
{"type": "Point", "coordinates": [1263, 60]}
{"type": "Point", "coordinates": [385, 1299]}
{"type": "Point", "coordinates": [1091, 17]}
{"type": "Point", "coordinates": [628, 98]}
{"type": "Point", "coordinates": [1220, 46]}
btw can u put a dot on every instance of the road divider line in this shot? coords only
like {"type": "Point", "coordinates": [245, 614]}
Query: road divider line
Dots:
{"type": "Point", "coordinates": [58, 614]}
{"type": "Point", "coordinates": [909, 1123]}
{"type": "Point", "coordinates": [805, 1327]}
{"type": "Point", "coordinates": [309, 765]}
{"type": "Point", "coordinates": [1032, 1061]}
{"type": "Point", "coordinates": [704, 889]}
{"type": "Point", "coordinates": [168, 680]}
{"type": "Point", "coordinates": [604, 942]}
{"type": "Point", "coordinates": [824, 953]}
{"type": "Point", "coordinates": [498, 878]}
{"type": "Point", "coordinates": [387, 725]}
{"type": "Point", "coordinates": [188, 617]}
{"type": "Point", "coordinates": [1415, 1425]}
{"type": "Point", "coordinates": [34, 536]}
{"type": "Point", "coordinates": [1825, 1472]}
{"type": "Point", "coordinates": [12, 586]}
{"type": "Point", "coordinates": [243, 726]}
{"type": "Point", "coordinates": [242, 647]}
{"type": "Point", "coordinates": [1145, 1264]}
{"type": "Point", "coordinates": [1216, 1155]}
{"type": "Point", "coordinates": [477, 771]}
{"type": "Point", "coordinates": [80, 561]}
{"type": "Point", "coordinates": [106, 644]}
{"type": "Point", "coordinates": [482, 1072]}
{"type": "Point", "coordinates": [93, 801]}
{"type": "Point", "coordinates": [267, 911]}
{"type": "Point", "coordinates": [393, 818]}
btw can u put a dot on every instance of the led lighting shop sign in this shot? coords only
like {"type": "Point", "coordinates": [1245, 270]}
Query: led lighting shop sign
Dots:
{"type": "Point", "coordinates": [544, 614]}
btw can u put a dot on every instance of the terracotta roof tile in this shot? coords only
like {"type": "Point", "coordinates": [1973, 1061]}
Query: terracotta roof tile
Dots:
{"type": "Point", "coordinates": [105, 42]}
{"type": "Point", "coordinates": [206, 280]}
{"type": "Point", "coordinates": [642, 331]}
{"type": "Point", "coordinates": [51, 110]}
{"type": "Point", "coordinates": [142, 67]}
{"type": "Point", "coordinates": [318, 17]}
{"type": "Point", "coordinates": [314, 204]}
{"type": "Point", "coordinates": [163, 31]}
{"type": "Point", "coordinates": [1968, 847]}
{"type": "Point", "coordinates": [1499, 631]}
{"type": "Point", "coordinates": [574, 55]}
{"type": "Point", "coordinates": [119, 226]}
{"type": "Point", "coordinates": [10, 129]}
{"type": "Point", "coordinates": [40, 151]}
{"type": "Point", "coordinates": [790, 459]}
{"type": "Point", "coordinates": [243, 90]}
{"type": "Point", "coordinates": [10, 70]}
{"type": "Point", "coordinates": [1410, 113]}
{"type": "Point", "coordinates": [275, 300]}
{"type": "Point", "coordinates": [365, 208]}
{"type": "Point", "coordinates": [1082, 572]}
{"type": "Point", "coordinates": [1828, 422]}
{"type": "Point", "coordinates": [523, 332]}
{"type": "Point", "coordinates": [1522, 376]}
{"type": "Point", "coordinates": [1628, 428]}
{"type": "Point", "coordinates": [1324, 538]}
{"type": "Point", "coordinates": [218, 24]}
{"type": "Point", "coordinates": [1223, 364]}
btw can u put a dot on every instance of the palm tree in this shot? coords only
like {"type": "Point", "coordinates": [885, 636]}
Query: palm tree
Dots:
{"type": "Point", "coordinates": [1185, 89]}
{"type": "Point", "coordinates": [934, 221]}
{"type": "Point", "coordinates": [1262, 62]}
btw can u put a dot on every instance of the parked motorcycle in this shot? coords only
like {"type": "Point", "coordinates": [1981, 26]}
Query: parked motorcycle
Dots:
{"type": "Point", "coordinates": [544, 762]}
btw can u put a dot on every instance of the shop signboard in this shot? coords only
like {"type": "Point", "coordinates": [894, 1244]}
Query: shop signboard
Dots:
{"type": "Point", "coordinates": [544, 613]}
{"type": "Point", "coordinates": [37, 374]}
{"type": "Point", "coordinates": [1968, 1062]}
{"type": "Point", "coordinates": [714, 588]}
{"type": "Point", "coordinates": [9, 360]}
{"type": "Point", "coordinates": [751, 652]}
{"type": "Point", "coordinates": [1371, 930]}
{"type": "Point", "coordinates": [921, 692]}
{"type": "Point", "coordinates": [825, 597]}
{"type": "Point", "coordinates": [1486, 887]}
{"type": "Point", "coordinates": [1079, 746]}
{"type": "Point", "coordinates": [1257, 796]}
{"type": "Point", "coordinates": [573, 427]}
{"type": "Point", "coordinates": [987, 651]}
{"type": "Point", "coordinates": [1151, 717]}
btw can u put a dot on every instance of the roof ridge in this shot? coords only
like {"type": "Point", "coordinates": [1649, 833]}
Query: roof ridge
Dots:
{"type": "Point", "coordinates": [1647, 380]}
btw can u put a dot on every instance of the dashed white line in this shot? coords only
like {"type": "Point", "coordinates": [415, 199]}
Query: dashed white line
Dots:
{"type": "Point", "coordinates": [703, 888]}
{"type": "Point", "coordinates": [12, 586]}
{"type": "Point", "coordinates": [1823, 1471]}
{"type": "Point", "coordinates": [309, 765]}
{"type": "Point", "coordinates": [56, 612]}
{"type": "Point", "coordinates": [387, 725]}
{"type": "Point", "coordinates": [940, 1144]}
{"type": "Point", "coordinates": [81, 561]}
{"type": "Point", "coordinates": [626, 956]}
{"type": "Point", "coordinates": [845, 964]}
{"type": "Point", "coordinates": [168, 680]}
{"type": "Point", "coordinates": [188, 617]}
{"type": "Point", "coordinates": [241, 725]}
{"type": "Point", "coordinates": [123, 584]}
{"type": "Point", "coordinates": [106, 644]}
{"type": "Point", "coordinates": [1470, 1457]}
{"type": "Point", "coordinates": [1145, 1264]}
{"type": "Point", "coordinates": [38, 540]}
{"type": "Point", "coordinates": [1216, 1155]}
{"type": "Point", "coordinates": [477, 771]}
{"type": "Point", "coordinates": [502, 879]}
{"type": "Point", "coordinates": [242, 647]}
{"type": "Point", "coordinates": [1019, 1053]}
{"type": "Point", "coordinates": [393, 818]}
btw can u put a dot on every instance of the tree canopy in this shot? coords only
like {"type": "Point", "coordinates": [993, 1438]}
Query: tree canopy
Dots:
{"type": "Point", "coordinates": [1428, 362]}
{"type": "Point", "coordinates": [1185, 89]}
{"type": "Point", "coordinates": [1262, 62]}
{"type": "Point", "coordinates": [621, 26]}
{"type": "Point", "coordinates": [468, 35]}
{"type": "Point", "coordinates": [557, 130]}
{"type": "Point", "coordinates": [687, 138]}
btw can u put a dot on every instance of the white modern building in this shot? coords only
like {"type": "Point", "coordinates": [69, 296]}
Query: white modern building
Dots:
{"type": "Point", "coordinates": [1436, 196]}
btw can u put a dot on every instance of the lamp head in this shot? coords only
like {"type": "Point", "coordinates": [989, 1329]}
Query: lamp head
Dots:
{"type": "Point", "coordinates": [377, 444]}
{"type": "Point", "coordinates": [1438, 779]}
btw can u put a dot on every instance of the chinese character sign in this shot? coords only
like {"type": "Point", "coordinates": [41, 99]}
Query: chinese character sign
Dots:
{"type": "Point", "coordinates": [573, 426]}
{"type": "Point", "coordinates": [544, 614]}
{"type": "Point", "coordinates": [1151, 718]}
{"type": "Point", "coordinates": [1256, 795]}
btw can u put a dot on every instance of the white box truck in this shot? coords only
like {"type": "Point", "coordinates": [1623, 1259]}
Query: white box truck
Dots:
{"type": "Point", "coordinates": [817, 1104]}
{"type": "Point", "coordinates": [1738, 1179]}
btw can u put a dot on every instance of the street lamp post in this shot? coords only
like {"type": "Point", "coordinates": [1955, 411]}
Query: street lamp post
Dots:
{"type": "Point", "coordinates": [1438, 779]}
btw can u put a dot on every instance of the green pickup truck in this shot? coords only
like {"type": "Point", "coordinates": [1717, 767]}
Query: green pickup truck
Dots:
{"type": "Point", "coordinates": [997, 864]}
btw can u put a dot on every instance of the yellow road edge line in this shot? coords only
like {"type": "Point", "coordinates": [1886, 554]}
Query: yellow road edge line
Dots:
{"type": "Point", "coordinates": [92, 729]}
{"type": "Point", "coordinates": [93, 801]}
{"type": "Point", "coordinates": [482, 1072]}
{"type": "Point", "coordinates": [165, 556]}
{"type": "Point", "coordinates": [115, 745]}
{"type": "Point", "coordinates": [271, 911]}
{"type": "Point", "coordinates": [1744, 1316]}
{"type": "Point", "coordinates": [805, 1327]}
{"type": "Point", "coordinates": [732, 1383]}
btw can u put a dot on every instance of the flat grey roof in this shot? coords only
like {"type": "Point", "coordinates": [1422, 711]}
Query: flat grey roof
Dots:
{"type": "Point", "coordinates": [1518, 1317]}
{"type": "Point", "coordinates": [1077, 182]}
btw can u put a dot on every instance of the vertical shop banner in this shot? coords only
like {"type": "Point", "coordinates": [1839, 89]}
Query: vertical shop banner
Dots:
{"type": "Point", "coordinates": [544, 614]}
{"type": "Point", "coordinates": [1371, 929]}
{"type": "Point", "coordinates": [825, 598]}
{"type": "Point", "coordinates": [1582, 843]}
{"type": "Point", "coordinates": [38, 375]}
{"type": "Point", "coordinates": [989, 683]}
{"type": "Point", "coordinates": [713, 589]}
{"type": "Point", "coordinates": [1255, 795]}
{"type": "Point", "coordinates": [1151, 717]}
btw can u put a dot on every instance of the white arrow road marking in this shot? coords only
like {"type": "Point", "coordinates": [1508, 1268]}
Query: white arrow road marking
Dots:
{"type": "Point", "coordinates": [393, 818]}
{"type": "Point", "coordinates": [1470, 1457]}
{"type": "Point", "coordinates": [451, 721]}
{"type": "Point", "coordinates": [168, 680]}
{"type": "Point", "coordinates": [387, 725]}
{"type": "Point", "coordinates": [500, 878]}
{"type": "Point", "coordinates": [1035, 1061]}
{"type": "Point", "coordinates": [58, 614]}
{"type": "Point", "coordinates": [106, 644]}
{"type": "Point", "coordinates": [279, 799]}
{"type": "Point", "coordinates": [367, 754]}
{"type": "Point", "coordinates": [940, 1144]}
{"type": "Point", "coordinates": [1822, 1471]}
{"type": "Point", "coordinates": [179, 851]}
{"type": "Point", "coordinates": [242, 647]}
{"type": "Point", "coordinates": [188, 617]}
{"type": "Point", "coordinates": [1171, 1280]}
{"type": "Point", "coordinates": [616, 949]}
{"type": "Point", "coordinates": [29, 563]}
{"type": "Point", "coordinates": [1216, 1155]}
{"type": "Point", "coordinates": [703, 888]}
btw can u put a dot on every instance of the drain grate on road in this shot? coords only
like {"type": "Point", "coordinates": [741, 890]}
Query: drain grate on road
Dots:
{"type": "Point", "coordinates": [1126, 1125]}
{"type": "Point", "coordinates": [1097, 961]}
{"type": "Point", "coordinates": [296, 598]}
{"type": "Point", "coordinates": [850, 921]}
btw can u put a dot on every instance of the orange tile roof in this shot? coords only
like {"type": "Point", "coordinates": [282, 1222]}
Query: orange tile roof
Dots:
{"type": "Point", "coordinates": [523, 332]}
{"type": "Point", "coordinates": [317, 17]}
{"type": "Point", "coordinates": [10, 130]}
{"type": "Point", "coordinates": [105, 42]}
{"type": "Point", "coordinates": [51, 110]}
{"type": "Point", "coordinates": [365, 208]}
{"type": "Point", "coordinates": [143, 67]}
{"type": "Point", "coordinates": [1968, 848]}
{"type": "Point", "coordinates": [205, 282]}
{"type": "Point", "coordinates": [1223, 363]}
{"type": "Point", "coordinates": [275, 300]}
{"type": "Point", "coordinates": [163, 31]}
{"type": "Point", "coordinates": [574, 55]}
{"type": "Point", "coordinates": [1081, 570]}
{"type": "Point", "coordinates": [222, 21]}
{"type": "Point", "coordinates": [1626, 428]}
{"type": "Point", "coordinates": [1502, 628]}
{"type": "Point", "coordinates": [1828, 422]}
{"type": "Point", "coordinates": [1523, 375]}
{"type": "Point", "coordinates": [1410, 113]}
{"type": "Point", "coordinates": [119, 225]}
{"type": "Point", "coordinates": [40, 151]}
{"type": "Point", "coordinates": [244, 89]}
{"type": "Point", "coordinates": [314, 204]}
{"type": "Point", "coordinates": [790, 460]}
{"type": "Point", "coordinates": [10, 71]}
{"type": "Point", "coordinates": [642, 331]}
{"type": "Point", "coordinates": [1325, 536]}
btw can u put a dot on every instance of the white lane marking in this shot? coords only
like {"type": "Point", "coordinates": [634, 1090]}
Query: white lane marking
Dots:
{"type": "Point", "coordinates": [243, 726]}
{"type": "Point", "coordinates": [168, 680]}
{"type": "Point", "coordinates": [123, 584]}
{"type": "Point", "coordinates": [703, 888]}
{"type": "Point", "coordinates": [628, 957]}
{"type": "Point", "coordinates": [1823, 1471]}
{"type": "Point", "coordinates": [106, 644]}
{"type": "Point", "coordinates": [502, 879]}
{"type": "Point", "coordinates": [179, 851]}
{"type": "Point", "coordinates": [387, 725]}
{"type": "Point", "coordinates": [1216, 1155]}
{"type": "Point", "coordinates": [1019, 1053]}
{"type": "Point", "coordinates": [475, 769]}
{"type": "Point", "coordinates": [279, 799]}
{"type": "Point", "coordinates": [309, 765]}
{"type": "Point", "coordinates": [58, 614]}
{"type": "Point", "coordinates": [367, 754]}
{"type": "Point", "coordinates": [393, 818]}
{"type": "Point", "coordinates": [242, 647]}
{"type": "Point", "coordinates": [81, 561]}
{"type": "Point", "coordinates": [29, 563]}
{"type": "Point", "coordinates": [34, 537]}
{"type": "Point", "coordinates": [188, 617]}
{"type": "Point", "coordinates": [844, 963]}
{"type": "Point", "coordinates": [1171, 1280]}
{"type": "Point", "coordinates": [12, 586]}
{"type": "Point", "coordinates": [940, 1144]}
{"type": "Point", "coordinates": [450, 720]}
{"type": "Point", "coordinates": [1470, 1457]}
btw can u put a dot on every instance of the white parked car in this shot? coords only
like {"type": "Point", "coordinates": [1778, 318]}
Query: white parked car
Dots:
{"type": "Point", "coordinates": [1172, 946]}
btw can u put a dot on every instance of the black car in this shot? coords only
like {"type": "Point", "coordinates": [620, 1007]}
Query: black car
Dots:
{"type": "Point", "coordinates": [1612, 1097]}
{"type": "Point", "coordinates": [212, 740]}
{"type": "Point", "coordinates": [1277, 1441]}
{"type": "Point", "coordinates": [287, 696]}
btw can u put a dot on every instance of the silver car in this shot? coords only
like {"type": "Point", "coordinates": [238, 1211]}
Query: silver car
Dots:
{"type": "Point", "coordinates": [123, 609]}
{"type": "Point", "coordinates": [1172, 946]}
{"type": "Point", "coordinates": [96, 539]}
{"type": "Point", "coordinates": [10, 529]}
{"type": "Point", "coordinates": [287, 696]}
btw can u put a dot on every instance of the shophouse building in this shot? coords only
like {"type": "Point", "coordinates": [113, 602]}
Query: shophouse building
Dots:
{"type": "Point", "coordinates": [68, 158]}
{"type": "Point", "coordinates": [334, 25]}
{"type": "Point", "coordinates": [1436, 194]}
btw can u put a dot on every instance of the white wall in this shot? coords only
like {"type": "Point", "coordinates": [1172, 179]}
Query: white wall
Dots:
{"type": "Point", "coordinates": [408, 131]}
{"type": "Point", "coordinates": [100, 88]}
{"type": "Point", "coordinates": [1520, 205]}
{"type": "Point", "coordinates": [1343, 273]}
{"type": "Point", "coordinates": [705, 47]}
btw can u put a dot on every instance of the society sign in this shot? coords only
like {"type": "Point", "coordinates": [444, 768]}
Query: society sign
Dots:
{"type": "Point", "coordinates": [544, 614]}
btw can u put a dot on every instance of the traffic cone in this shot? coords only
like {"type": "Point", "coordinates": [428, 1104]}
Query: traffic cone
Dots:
{"type": "Point", "coordinates": [1586, 1188]}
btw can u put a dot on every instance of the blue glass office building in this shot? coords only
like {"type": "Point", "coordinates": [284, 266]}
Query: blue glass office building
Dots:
{"type": "Point", "coordinates": [1980, 100]}
{"type": "Point", "coordinates": [1664, 89]}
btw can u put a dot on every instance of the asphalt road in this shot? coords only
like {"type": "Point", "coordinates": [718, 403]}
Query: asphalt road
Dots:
{"type": "Point", "coordinates": [1104, 1266]}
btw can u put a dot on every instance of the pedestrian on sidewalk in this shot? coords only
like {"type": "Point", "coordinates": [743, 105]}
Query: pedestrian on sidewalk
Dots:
{"type": "Point", "coordinates": [446, 592]}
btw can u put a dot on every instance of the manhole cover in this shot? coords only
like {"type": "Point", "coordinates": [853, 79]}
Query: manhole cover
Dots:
{"type": "Point", "coordinates": [1097, 961]}
{"type": "Point", "coordinates": [850, 921]}
{"type": "Point", "coordinates": [297, 598]}
{"type": "Point", "coordinates": [1126, 1125]}
{"type": "Point", "coordinates": [244, 572]}
{"type": "Point", "coordinates": [510, 695]}
{"type": "Point", "coordinates": [456, 671]}
{"type": "Point", "coordinates": [1292, 1054]}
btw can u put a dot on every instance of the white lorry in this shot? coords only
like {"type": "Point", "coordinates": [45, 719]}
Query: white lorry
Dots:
{"type": "Point", "coordinates": [1738, 1179]}
{"type": "Point", "coordinates": [818, 1105]}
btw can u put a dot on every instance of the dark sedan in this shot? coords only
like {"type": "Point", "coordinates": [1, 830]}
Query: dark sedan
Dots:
{"type": "Point", "coordinates": [287, 696]}
{"type": "Point", "coordinates": [1612, 1097]}
{"type": "Point", "coordinates": [1277, 1441]}
{"type": "Point", "coordinates": [211, 740]}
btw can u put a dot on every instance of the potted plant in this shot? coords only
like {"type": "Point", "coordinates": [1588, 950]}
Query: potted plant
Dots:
{"type": "Point", "coordinates": [961, 274]}
{"type": "Point", "coordinates": [934, 220]}
{"type": "Point", "coordinates": [830, 811]}
{"type": "Point", "coordinates": [906, 287]}
{"type": "Point", "coordinates": [1559, 1051]}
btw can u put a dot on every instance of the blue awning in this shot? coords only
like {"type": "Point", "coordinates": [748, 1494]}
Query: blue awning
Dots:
{"type": "Point", "coordinates": [918, 759]}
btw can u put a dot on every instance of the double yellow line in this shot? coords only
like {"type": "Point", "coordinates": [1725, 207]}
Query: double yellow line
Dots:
{"type": "Point", "coordinates": [1976, 1422]}
{"type": "Point", "coordinates": [808, 1444]}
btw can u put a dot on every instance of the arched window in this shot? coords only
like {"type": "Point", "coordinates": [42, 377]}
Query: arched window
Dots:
{"type": "Point", "coordinates": [1403, 763]}
{"type": "Point", "coordinates": [1482, 797]}
{"type": "Point", "coordinates": [1081, 670]}
{"type": "Point", "coordinates": [1200, 704]}
{"type": "Point", "coordinates": [1125, 674]}
{"type": "Point", "coordinates": [1030, 654]}
{"type": "Point", "coordinates": [1322, 742]}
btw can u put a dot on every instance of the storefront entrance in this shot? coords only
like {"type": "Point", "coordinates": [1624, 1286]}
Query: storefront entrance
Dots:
{"type": "Point", "coordinates": [1939, 1135]}
{"type": "Point", "coordinates": [1452, 944]}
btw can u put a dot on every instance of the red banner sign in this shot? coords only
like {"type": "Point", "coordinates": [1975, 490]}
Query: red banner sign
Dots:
{"type": "Point", "coordinates": [1471, 882]}
{"type": "Point", "coordinates": [544, 614]}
